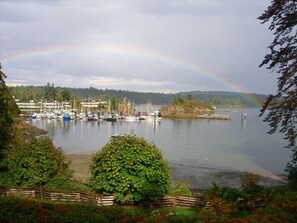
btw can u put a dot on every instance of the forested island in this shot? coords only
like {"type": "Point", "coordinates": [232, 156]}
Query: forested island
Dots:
{"type": "Point", "coordinates": [188, 108]}
{"type": "Point", "coordinates": [214, 98]}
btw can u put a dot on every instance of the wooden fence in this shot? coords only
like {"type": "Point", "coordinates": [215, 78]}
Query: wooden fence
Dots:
{"type": "Point", "coordinates": [255, 203]}
{"type": "Point", "coordinates": [100, 200]}
{"type": "Point", "coordinates": [60, 196]}
{"type": "Point", "coordinates": [174, 201]}
{"type": "Point", "coordinates": [167, 201]}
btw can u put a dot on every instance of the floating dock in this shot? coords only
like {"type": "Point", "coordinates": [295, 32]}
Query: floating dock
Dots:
{"type": "Point", "coordinates": [214, 116]}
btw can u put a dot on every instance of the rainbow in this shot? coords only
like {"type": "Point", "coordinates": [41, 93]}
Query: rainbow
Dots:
{"type": "Point", "coordinates": [136, 52]}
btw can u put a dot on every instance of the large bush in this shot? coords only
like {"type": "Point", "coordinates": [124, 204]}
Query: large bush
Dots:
{"type": "Point", "coordinates": [130, 168]}
{"type": "Point", "coordinates": [35, 162]}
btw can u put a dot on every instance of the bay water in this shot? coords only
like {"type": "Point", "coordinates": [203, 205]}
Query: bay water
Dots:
{"type": "Point", "coordinates": [238, 144]}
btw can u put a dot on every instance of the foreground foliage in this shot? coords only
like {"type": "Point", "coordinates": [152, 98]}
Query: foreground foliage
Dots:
{"type": "Point", "coordinates": [35, 162]}
{"type": "Point", "coordinates": [130, 168]}
{"type": "Point", "coordinates": [181, 188]}
{"type": "Point", "coordinates": [249, 181]}
{"type": "Point", "coordinates": [30, 210]}
{"type": "Point", "coordinates": [8, 110]}
{"type": "Point", "coordinates": [282, 209]}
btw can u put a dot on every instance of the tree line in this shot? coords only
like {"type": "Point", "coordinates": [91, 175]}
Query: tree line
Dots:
{"type": "Point", "coordinates": [215, 98]}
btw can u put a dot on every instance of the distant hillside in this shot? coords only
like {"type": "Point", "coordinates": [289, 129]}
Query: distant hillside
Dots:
{"type": "Point", "coordinates": [227, 99]}
{"type": "Point", "coordinates": [214, 98]}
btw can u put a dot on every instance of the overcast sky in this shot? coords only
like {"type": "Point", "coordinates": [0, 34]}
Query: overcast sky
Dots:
{"type": "Point", "coordinates": [148, 45]}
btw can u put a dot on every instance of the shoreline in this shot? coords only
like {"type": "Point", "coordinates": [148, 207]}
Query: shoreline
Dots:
{"type": "Point", "coordinates": [199, 178]}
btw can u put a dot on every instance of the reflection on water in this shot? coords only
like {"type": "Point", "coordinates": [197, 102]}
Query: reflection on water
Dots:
{"type": "Point", "coordinates": [243, 123]}
{"type": "Point", "coordinates": [237, 144]}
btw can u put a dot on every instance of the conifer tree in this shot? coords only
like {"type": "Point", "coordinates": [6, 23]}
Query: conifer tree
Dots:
{"type": "Point", "coordinates": [8, 109]}
{"type": "Point", "coordinates": [282, 58]}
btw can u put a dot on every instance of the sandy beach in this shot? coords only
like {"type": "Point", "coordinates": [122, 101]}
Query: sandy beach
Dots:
{"type": "Point", "coordinates": [199, 178]}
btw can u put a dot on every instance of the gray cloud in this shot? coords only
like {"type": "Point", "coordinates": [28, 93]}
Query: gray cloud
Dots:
{"type": "Point", "coordinates": [137, 45]}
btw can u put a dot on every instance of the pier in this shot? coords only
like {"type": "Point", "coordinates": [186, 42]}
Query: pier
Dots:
{"type": "Point", "coordinates": [214, 116]}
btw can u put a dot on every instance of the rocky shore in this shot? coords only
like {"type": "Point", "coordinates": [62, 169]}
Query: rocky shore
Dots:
{"type": "Point", "coordinates": [199, 178]}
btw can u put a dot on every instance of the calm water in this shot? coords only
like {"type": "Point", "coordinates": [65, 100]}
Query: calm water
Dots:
{"type": "Point", "coordinates": [228, 145]}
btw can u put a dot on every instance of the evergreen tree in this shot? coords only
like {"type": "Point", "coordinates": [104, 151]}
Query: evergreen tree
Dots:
{"type": "Point", "coordinates": [50, 93]}
{"type": "Point", "coordinates": [282, 106]}
{"type": "Point", "coordinates": [8, 109]}
{"type": "Point", "coordinates": [65, 95]}
{"type": "Point", "coordinates": [177, 99]}
{"type": "Point", "coordinates": [114, 104]}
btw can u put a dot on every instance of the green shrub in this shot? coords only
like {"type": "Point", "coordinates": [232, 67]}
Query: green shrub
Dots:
{"type": "Point", "coordinates": [130, 168]}
{"type": "Point", "coordinates": [181, 188]}
{"type": "Point", "coordinates": [249, 181]}
{"type": "Point", "coordinates": [6, 180]}
{"type": "Point", "coordinates": [231, 194]}
{"type": "Point", "coordinates": [172, 215]}
{"type": "Point", "coordinates": [35, 162]}
{"type": "Point", "coordinates": [217, 209]}
{"type": "Point", "coordinates": [285, 212]}
{"type": "Point", "coordinates": [61, 183]}
{"type": "Point", "coordinates": [212, 192]}
{"type": "Point", "coordinates": [15, 209]}
{"type": "Point", "coordinates": [292, 173]}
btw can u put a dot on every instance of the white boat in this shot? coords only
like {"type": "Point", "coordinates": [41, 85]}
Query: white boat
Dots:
{"type": "Point", "coordinates": [117, 135]}
{"type": "Point", "coordinates": [82, 116]}
{"type": "Point", "coordinates": [59, 116]}
{"type": "Point", "coordinates": [39, 116]}
{"type": "Point", "coordinates": [34, 116]}
{"type": "Point", "coordinates": [132, 118]}
{"type": "Point", "coordinates": [92, 117]}
{"type": "Point", "coordinates": [155, 115]}
{"type": "Point", "coordinates": [50, 115]}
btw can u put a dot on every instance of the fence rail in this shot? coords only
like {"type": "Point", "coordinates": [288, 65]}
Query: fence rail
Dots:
{"type": "Point", "coordinates": [100, 200]}
{"type": "Point", "coordinates": [174, 201]}
{"type": "Point", "coordinates": [59, 196]}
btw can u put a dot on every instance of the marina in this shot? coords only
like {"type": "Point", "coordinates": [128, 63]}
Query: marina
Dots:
{"type": "Point", "coordinates": [234, 144]}
{"type": "Point", "coordinates": [90, 110]}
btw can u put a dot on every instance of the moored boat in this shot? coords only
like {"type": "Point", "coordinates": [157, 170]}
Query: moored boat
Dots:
{"type": "Point", "coordinates": [110, 118]}
{"type": "Point", "coordinates": [66, 117]}
{"type": "Point", "coordinates": [132, 118]}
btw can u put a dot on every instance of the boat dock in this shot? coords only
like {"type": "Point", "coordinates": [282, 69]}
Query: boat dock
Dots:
{"type": "Point", "coordinates": [214, 116]}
